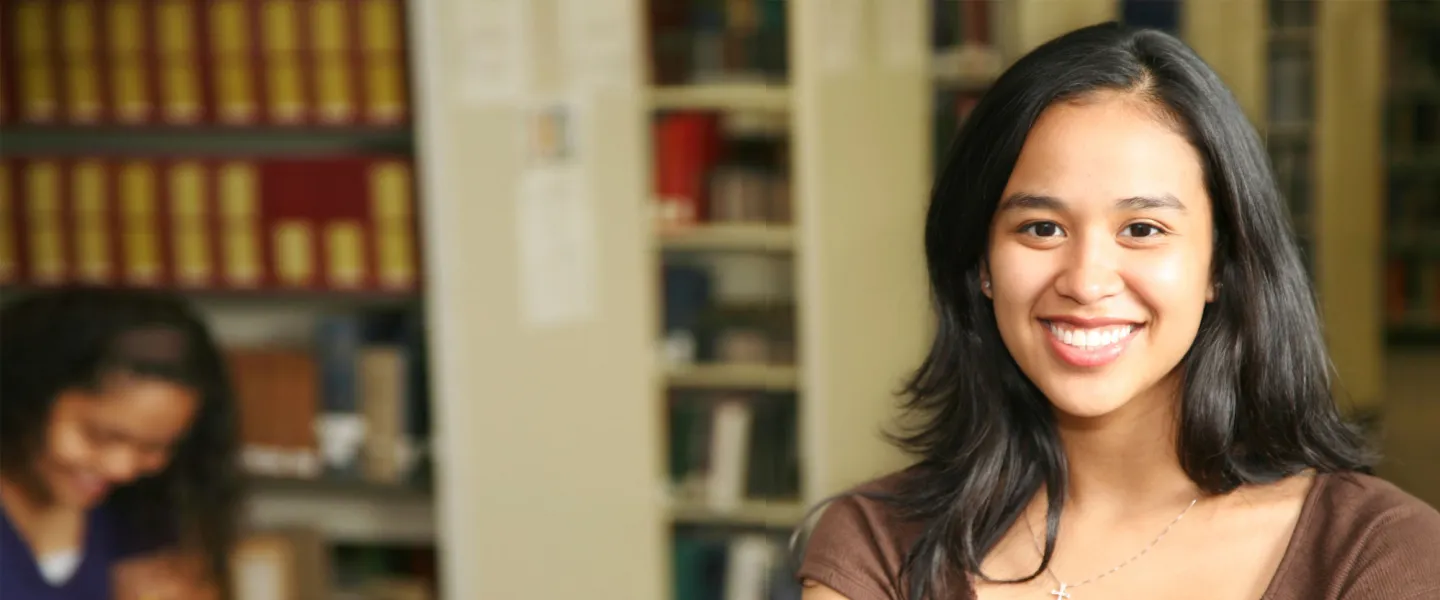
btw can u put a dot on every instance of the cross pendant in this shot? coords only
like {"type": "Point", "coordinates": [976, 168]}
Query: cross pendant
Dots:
{"type": "Point", "coordinates": [1061, 593]}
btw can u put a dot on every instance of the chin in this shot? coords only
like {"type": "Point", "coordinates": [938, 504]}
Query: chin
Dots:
{"type": "Point", "coordinates": [1073, 399]}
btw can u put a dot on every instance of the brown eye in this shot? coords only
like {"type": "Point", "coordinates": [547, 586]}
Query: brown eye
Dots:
{"type": "Point", "coordinates": [1142, 230]}
{"type": "Point", "coordinates": [1042, 229]}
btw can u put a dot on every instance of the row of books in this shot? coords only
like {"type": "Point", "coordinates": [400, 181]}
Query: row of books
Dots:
{"type": "Point", "coordinates": [708, 41]}
{"type": "Point", "coordinates": [353, 406]}
{"type": "Point", "coordinates": [1292, 83]}
{"type": "Point", "coordinates": [1292, 13]}
{"type": "Point", "coordinates": [729, 310]}
{"type": "Point", "coordinates": [199, 62]}
{"type": "Point", "coordinates": [1413, 204]}
{"type": "Point", "coordinates": [311, 223]}
{"type": "Point", "coordinates": [744, 567]}
{"type": "Point", "coordinates": [1412, 290]}
{"type": "Point", "coordinates": [701, 175]}
{"type": "Point", "coordinates": [1292, 161]}
{"type": "Point", "coordinates": [298, 564]}
{"type": "Point", "coordinates": [727, 448]}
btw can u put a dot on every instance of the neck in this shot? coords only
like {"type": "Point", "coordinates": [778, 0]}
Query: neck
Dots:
{"type": "Point", "coordinates": [1127, 462]}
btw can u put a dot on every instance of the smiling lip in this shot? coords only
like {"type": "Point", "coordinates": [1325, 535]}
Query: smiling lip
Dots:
{"type": "Point", "coordinates": [1089, 343]}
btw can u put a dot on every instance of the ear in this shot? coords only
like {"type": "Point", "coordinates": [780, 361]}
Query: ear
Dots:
{"type": "Point", "coordinates": [1211, 291]}
{"type": "Point", "coordinates": [985, 285]}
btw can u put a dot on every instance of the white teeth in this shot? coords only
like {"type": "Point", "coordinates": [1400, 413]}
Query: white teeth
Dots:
{"type": "Point", "coordinates": [1090, 339]}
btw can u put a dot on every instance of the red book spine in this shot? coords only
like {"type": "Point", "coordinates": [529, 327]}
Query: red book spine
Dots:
{"type": "Point", "coordinates": [93, 221]}
{"type": "Point", "coordinates": [976, 20]}
{"type": "Point", "coordinates": [288, 220]}
{"type": "Point", "coordinates": [346, 225]}
{"type": "Point", "coordinates": [687, 148]}
{"type": "Point", "coordinates": [8, 66]}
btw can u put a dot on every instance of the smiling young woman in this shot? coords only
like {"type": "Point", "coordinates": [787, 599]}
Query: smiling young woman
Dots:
{"type": "Point", "coordinates": [118, 478]}
{"type": "Point", "coordinates": [1128, 395]}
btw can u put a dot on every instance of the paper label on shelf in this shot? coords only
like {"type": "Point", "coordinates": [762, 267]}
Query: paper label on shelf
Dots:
{"type": "Point", "coordinates": [901, 33]}
{"type": "Point", "coordinates": [341, 435]}
{"type": "Point", "coordinates": [598, 44]}
{"type": "Point", "coordinates": [558, 246]}
{"type": "Point", "coordinates": [492, 49]}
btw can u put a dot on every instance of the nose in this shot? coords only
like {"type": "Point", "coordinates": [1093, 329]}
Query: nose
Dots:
{"type": "Point", "coordinates": [1091, 271]}
{"type": "Point", "coordinates": [121, 465]}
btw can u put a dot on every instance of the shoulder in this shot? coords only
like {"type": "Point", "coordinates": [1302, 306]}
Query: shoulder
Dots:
{"type": "Point", "coordinates": [1370, 537]}
{"type": "Point", "coordinates": [126, 536]}
{"type": "Point", "coordinates": [859, 542]}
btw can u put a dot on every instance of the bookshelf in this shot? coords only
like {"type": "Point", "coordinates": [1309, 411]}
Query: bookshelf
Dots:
{"type": "Point", "coordinates": [255, 158]}
{"type": "Point", "coordinates": [1412, 295]}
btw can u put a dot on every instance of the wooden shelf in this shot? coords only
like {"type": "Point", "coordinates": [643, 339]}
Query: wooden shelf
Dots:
{"type": "Point", "coordinates": [730, 238]}
{"type": "Point", "coordinates": [343, 511]}
{"type": "Point", "coordinates": [31, 140]}
{"type": "Point", "coordinates": [761, 377]}
{"type": "Point", "coordinates": [736, 97]}
{"type": "Point", "coordinates": [265, 297]}
{"type": "Point", "coordinates": [1298, 130]}
{"type": "Point", "coordinates": [783, 514]}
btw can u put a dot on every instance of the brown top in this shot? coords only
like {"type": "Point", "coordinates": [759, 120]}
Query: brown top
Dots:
{"type": "Point", "coordinates": [1358, 538]}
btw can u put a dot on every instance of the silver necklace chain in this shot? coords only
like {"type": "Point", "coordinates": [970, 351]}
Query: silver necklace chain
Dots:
{"type": "Point", "coordinates": [1063, 591]}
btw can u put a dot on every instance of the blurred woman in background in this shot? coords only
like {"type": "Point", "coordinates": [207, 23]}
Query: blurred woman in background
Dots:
{"type": "Point", "coordinates": [118, 473]}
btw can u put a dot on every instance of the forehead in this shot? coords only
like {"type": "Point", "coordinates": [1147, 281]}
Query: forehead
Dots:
{"type": "Point", "coordinates": [1107, 147]}
{"type": "Point", "coordinates": [141, 407]}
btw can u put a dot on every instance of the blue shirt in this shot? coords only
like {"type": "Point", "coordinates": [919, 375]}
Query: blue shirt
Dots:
{"type": "Point", "coordinates": [105, 545]}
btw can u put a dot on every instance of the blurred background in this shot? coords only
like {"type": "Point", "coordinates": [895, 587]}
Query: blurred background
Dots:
{"type": "Point", "coordinates": [591, 298]}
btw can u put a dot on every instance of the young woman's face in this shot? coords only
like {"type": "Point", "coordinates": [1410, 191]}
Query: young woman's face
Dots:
{"type": "Point", "coordinates": [96, 441]}
{"type": "Point", "coordinates": [1099, 257]}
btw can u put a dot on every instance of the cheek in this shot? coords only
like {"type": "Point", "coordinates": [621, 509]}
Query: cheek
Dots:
{"type": "Point", "coordinates": [1173, 284]}
{"type": "Point", "coordinates": [68, 447]}
{"type": "Point", "coordinates": [1019, 278]}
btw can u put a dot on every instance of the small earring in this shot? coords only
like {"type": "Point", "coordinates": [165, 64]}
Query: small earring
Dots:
{"type": "Point", "coordinates": [986, 285]}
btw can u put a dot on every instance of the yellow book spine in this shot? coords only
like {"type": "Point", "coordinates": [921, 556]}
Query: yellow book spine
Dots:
{"type": "Point", "coordinates": [384, 61]}
{"type": "Point", "coordinates": [9, 252]}
{"type": "Point", "coordinates": [292, 244]}
{"type": "Point", "coordinates": [141, 239]}
{"type": "Point", "coordinates": [188, 217]}
{"type": "Point", "coordinates": [345, 254]}
{"type": "Point", "coordinates": [39, 99]}
{"type": "Point", "coordinates": [394, 223]}
{"type": "Point", "coordinates": [91, 213]}
{"type": "Point", "coordinates": [41, 191]}
{"type": "Point", "coordinates": [78, 26]}
{"type": "Point", "coordinates": [130, 96]}
{"type": "Point", "coordinates": [239, 198]}
{"type": "Point", "coordinates": [231, 44]}
{"type": "Point", "coordinates": [178, 61]}
{"type": "Point", "coordinates": [281, 38]}
{"type": "Point", "coordinates": [331, 37]}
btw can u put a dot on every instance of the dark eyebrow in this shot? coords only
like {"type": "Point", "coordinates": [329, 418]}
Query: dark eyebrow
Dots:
{"type": "Point", "coordinates": [1161, 202]}
{"type": "Point", "coordinates": [1024, 201]}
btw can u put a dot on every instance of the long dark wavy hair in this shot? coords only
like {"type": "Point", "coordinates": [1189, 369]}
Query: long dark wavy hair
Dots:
{"type": "Point", "coordinates": [72, 339]}
{"type": "Point", "coordinates": [1257, 401]}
